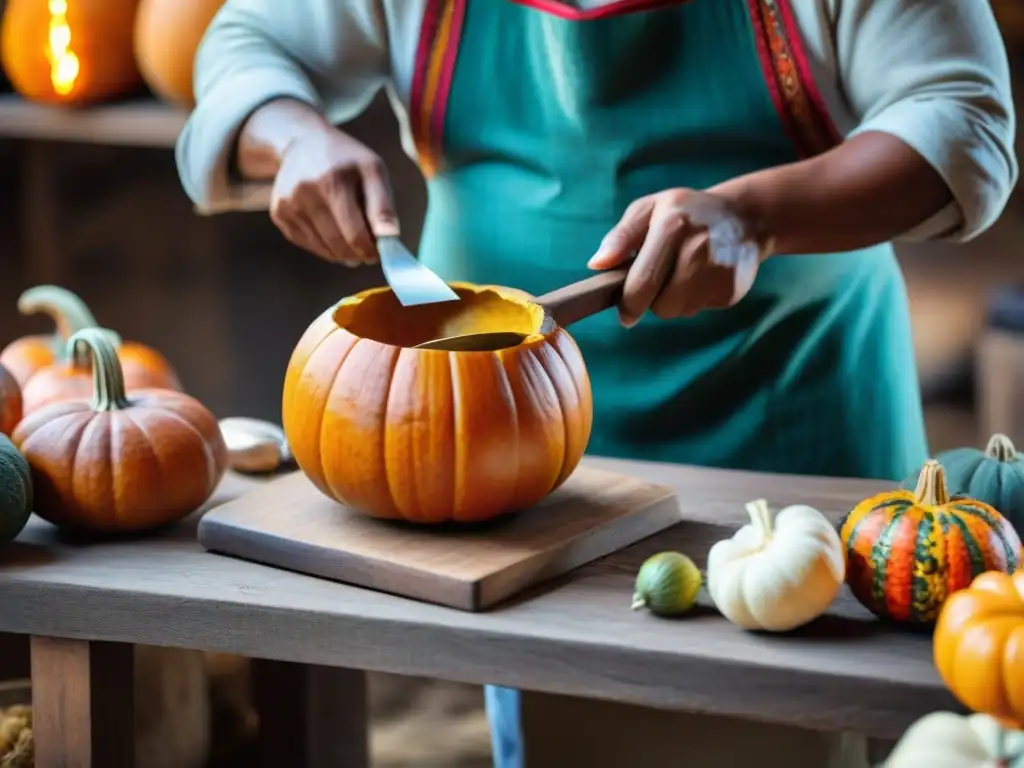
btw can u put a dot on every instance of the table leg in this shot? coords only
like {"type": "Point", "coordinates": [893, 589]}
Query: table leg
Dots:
{"type": "Point", "coordinates": [310, 716]}
{"type": "Point", "coordinates": [847, 750]}
{"type": "Point", "coordinates": [83, 703]}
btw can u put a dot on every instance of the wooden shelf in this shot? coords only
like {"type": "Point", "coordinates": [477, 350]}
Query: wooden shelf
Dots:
{"type": "Point", "coordinates": [137, 123]}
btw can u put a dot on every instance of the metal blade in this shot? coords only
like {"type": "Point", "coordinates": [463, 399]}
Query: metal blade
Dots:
{"type": "Point", "coordinates": [412, 282]}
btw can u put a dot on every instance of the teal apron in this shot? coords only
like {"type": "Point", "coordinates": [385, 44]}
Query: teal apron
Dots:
{"type": "Point", "coordinates": [537, 129]}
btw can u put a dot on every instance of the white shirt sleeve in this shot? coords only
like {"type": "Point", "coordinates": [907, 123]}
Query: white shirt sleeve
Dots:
{"type": "Point", "coordinates": [934, 73]}
{"type": "Point", "coordinates": [329, 54]}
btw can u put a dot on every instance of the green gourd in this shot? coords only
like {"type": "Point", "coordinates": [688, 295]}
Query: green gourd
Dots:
{"type": "Point", "coordinates": [667, 584]}
{"type": "Point", "coordinates": [994, 476]}
{"type": "Point", "coordinates": [15, 491]}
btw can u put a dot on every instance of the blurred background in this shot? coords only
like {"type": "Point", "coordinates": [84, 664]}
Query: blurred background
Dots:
{"type": "Point", "coordinates": [226, 298]}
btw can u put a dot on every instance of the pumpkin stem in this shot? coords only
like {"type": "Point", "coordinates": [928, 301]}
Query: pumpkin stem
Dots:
{"type": "Point", "coordinates": [81, 355]}
{"type": "Point", "coordinates": [639, 601]}
{"type": "Point", "coordinates": [761, 518]}
{"type": "Point", "coordinates": [107, 377]}
{"type": "Point", "coordinates": [68, 312]}
{"type": "Point", "coordinates": [1000, 448]}
{"type": "Point", "coordinates": [931, 485]}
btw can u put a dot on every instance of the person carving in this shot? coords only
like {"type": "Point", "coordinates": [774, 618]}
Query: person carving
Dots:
{"type": "Point", "coordinates": [751, 160]}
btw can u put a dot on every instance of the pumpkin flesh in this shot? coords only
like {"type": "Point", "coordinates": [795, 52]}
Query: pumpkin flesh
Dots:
{"type": "Point", "coordinates": [908, 551]}
{"type": "Point", "coordinates": [433, 436]}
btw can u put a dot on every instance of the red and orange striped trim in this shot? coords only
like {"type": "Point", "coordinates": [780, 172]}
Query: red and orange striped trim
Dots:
{"type": "Point", "coordinates": [787, 74]}
{"type": "Point", "coordinates": [438, 48]}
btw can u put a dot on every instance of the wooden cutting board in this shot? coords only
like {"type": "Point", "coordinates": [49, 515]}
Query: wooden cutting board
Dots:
{"type": "Point", "coordinates": [289, 524]}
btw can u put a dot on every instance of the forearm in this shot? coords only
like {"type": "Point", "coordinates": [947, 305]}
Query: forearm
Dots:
{"type": "Point", "coordinates": [868, 190]}
{"type": "Point", "coordinates": [268, 133]}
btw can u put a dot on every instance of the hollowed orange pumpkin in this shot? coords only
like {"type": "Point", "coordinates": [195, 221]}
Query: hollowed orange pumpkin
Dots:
{"type": "Point", "coordinates": [432, 436]}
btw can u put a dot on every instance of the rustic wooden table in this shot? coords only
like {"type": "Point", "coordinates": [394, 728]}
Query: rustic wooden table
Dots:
{"type": "Point", "coordinates": [85, 604]}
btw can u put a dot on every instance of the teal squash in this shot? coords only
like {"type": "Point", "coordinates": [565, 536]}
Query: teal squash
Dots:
{"type": "Point", "coordinates": [994, 476]}
{"type": "Point", "coordinates": [15, 491]}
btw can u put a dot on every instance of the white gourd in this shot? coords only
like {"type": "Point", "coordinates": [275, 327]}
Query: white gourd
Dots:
{"type": "Point", "coordinates": [945, 740]}
{"type": "Point", "coordinates": [254, 445]}
{"type": "Point", "coordinates": [777, 578]}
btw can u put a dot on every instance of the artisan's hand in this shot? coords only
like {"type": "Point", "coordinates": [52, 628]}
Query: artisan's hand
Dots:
{"type": "Point", "coordinates": [331, 196]}
{"type": "Point", "coordinates": [694, 250]}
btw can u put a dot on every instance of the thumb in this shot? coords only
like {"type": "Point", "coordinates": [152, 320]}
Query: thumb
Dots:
{"type": "Point", "coordinates": [626, 237]}
{"type": "Point", "coordinates": [380, 209]}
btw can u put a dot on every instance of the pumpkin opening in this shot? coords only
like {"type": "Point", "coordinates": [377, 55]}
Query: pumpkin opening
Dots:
{"type": "Point", "coordinates": [377, 315]}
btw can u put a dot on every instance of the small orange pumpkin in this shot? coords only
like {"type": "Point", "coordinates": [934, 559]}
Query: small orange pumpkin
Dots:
{"type": "Point", "coordinates": [167, 35]}
{"type": "Point", "coordinates": [72, 379]}
{"type": "Point", "coordinates": [10, 402]}
{"type": "Point", "coordinates": [26, 356]}
{"type": "Point", "coordinates": [979, 646]}
{"type": "Point", "coordinates": [431, 436]}
{"type": "Point", "coordinates": [117, 464]}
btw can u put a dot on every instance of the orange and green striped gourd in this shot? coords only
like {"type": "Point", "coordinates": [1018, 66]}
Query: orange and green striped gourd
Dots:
{"type": "Point", "coordinates": [907, 551]}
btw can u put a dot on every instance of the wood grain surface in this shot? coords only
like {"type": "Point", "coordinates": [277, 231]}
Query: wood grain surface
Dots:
{"type": "Point", "coordinates": [82, 703]}
{"type": "Point", "coordinates": [135, 123]}
{"type": "Point", "coordinates": [574, 635]}
{"type": "Point", "coordinates": [290, 524]}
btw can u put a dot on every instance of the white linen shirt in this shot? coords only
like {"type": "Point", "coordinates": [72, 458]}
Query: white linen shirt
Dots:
{"type": "Point", "coordinates": [933, 73]}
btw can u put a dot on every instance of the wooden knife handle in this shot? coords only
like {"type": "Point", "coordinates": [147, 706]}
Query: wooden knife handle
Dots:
{"type": "Point", "coordinates": [587, 297]}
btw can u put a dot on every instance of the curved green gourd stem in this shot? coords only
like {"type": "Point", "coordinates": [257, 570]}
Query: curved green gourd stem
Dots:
{"type": "Point", "coordinates": [1000, 448]}
{"type": "Point", "coordinates": [107, 377]}
{"type": "Point", "coordinates": [931, 485]}
{"type": "Point", "coordinates": [68, 312]}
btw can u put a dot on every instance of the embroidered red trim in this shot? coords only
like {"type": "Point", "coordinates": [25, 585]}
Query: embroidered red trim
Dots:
{"type": "Point", "coordinates": [788, 78]}
{"type": "Point", "coordinates": [565, 11]}
{"type": "Point", "coordinates": [440, 34]}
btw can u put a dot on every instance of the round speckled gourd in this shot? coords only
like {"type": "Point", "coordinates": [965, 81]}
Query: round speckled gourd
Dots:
{"type": "Point", "coordinates": [994, 476]}
{"type": "Point", "coordinates": [667, 584]}
{"type": "Point", "coordinates": [907, 551]}
{"type": "Point", "coordinates": [15, 491]}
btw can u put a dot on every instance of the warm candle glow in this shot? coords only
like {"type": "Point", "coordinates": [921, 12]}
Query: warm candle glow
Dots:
{"type": "Point", "coordinates": [63, 61]}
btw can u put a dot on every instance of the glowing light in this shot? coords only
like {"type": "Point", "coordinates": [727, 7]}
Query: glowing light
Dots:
{"type": "Point", "coordinates": [64, 64]}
